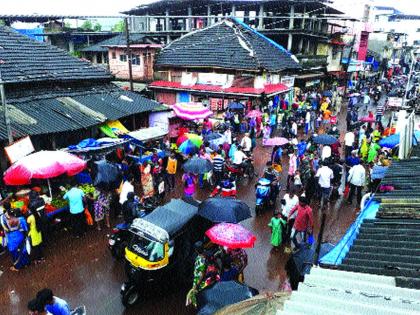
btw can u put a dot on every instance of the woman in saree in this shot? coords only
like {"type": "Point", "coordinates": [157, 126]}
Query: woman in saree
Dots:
{"type": "Point", "coordinates": [15, 229]}
{"type": "Point", "coordinates": [147, 181]}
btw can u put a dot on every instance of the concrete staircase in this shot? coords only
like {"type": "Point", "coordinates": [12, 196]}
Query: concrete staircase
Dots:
{"type": "Point", "coordinates": [336, 292]}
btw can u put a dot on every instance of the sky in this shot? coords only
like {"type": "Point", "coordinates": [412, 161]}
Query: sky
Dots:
{"type": "Point", "coordinates": [113, 7]}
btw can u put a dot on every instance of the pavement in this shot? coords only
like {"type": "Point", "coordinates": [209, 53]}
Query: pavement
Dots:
{"type": "Point", "coordinates": [82, 271]}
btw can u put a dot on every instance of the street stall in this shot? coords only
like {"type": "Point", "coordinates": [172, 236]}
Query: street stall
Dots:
{"type": "Point", "coordinates": [142, 139]}
{"type": "Point", "coordinates": [43, 165]}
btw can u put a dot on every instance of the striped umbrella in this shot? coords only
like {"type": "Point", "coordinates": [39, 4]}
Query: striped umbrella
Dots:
{"type": "Point", "coordinates": [191, 111]}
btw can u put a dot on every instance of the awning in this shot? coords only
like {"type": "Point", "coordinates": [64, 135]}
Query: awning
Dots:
{"type": "Point", "coordinates": [269, 89]}
{"type": "Point", "coordinates": [309, 76]}
{"type": "Point", "coordinates": [147, 134]}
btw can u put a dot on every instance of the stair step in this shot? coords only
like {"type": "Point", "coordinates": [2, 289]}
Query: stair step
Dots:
{"type": "Point", "coordinates": [379, 256]}
{"type": "Point", "coordinates": [414, 252]}
{"type": "Point", "coordinates": [384, 243]}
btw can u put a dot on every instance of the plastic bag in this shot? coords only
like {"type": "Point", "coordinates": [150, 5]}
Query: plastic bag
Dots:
{"type": "Point", "coordinates": [89, 219]}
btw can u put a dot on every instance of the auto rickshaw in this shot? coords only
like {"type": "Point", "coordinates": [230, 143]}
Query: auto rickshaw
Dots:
{"type": "Point", "coordinates": [161, 248]}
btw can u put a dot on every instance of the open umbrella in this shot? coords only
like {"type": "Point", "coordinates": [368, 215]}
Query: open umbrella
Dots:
{"type": "Point", "coordinates": [198, 166]}
{"type": "Point", "coordinates": [327, 93]}
{"type": "Point", "coordinates": [107, 175]}
{"type": "Point", "coordinates": [191, 111]}
{"type": "Point", "coordinates": [194, 138]}
{"type": "Point", "coordinates": [367, 119]}
{"type": "Point", "coordinates": [43, 165]}
{"type": "Point", "coordinates": [275, 141]}
{"type": "Point", "coordinates": [254, 114]}
{"type": "Point", "coordinates": [325, 139]}
{"type": "Point", "coordinates": [213, 136]}
{"type": "Point", "coordinates": [221, 294]}
{"type": "Point", "coordinates": [237, 106]}
{"type": "Point", "coordinates": [224, 210]}
{"type": "Point", "coordinates": [187, 147]}
{"type": "Point", "coordinates": [231, 235]}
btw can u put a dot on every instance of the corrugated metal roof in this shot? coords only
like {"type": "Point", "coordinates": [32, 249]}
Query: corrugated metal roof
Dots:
{"type": "Point", "coordinates": [326, 291]}
{"type": "Point", "coordinates": [120, 39]}
{"type": "Point", "coordinates": [25, 60]}
{"type": "Point", "coordinates": [60, 112]}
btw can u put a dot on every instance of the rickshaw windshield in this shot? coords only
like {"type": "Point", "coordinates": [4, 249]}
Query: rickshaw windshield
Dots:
{"type": "Point", "coordinates": [148, 249]}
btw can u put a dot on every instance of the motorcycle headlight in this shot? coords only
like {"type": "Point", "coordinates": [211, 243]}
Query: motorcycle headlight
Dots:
{"type": "Point", "coordinates": [111, 242]}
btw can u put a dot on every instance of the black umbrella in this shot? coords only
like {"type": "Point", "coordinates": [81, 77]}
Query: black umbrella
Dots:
{"type": "Point", "coordinates": [220, 209]}
{"type": "Point", "coordinates": [198, 166]}
{"type": "Point", "coordinates": [107, 175]}
{"type": "Point", "coordinates": [325, 139]}
{"type": "Point", "coordinates": [236, 106]}
{"type": "Point", "coordinates": [221, 294]}
{"type": "Point", "coordinates": [212, 136]}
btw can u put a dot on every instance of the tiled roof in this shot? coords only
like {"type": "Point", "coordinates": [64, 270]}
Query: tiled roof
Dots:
{"type": "Point", "coordinates": [268, 89]}
{"type": "Point", "coordinates": [333, 292]}
{"type": "Point", "coordinates": [25, 60]}
{"type": "Point", "coordinates": [229, 44]}
{"type": "Point", "coordinates": [118, 40]}
{"type": "Point", "coordinates": [61, 111]}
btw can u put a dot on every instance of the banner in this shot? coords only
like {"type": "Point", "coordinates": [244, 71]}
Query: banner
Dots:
{"type": "Point", "coordinates": [19, 149]}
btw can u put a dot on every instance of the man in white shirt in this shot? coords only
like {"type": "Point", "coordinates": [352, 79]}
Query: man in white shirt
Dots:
{"type": "Point", "coordinates": [228, 136]}
{"type": "Point", "coordinates": [125, 189]}
{"type": "Point", "coordinates": [325, 175]}
{"type": "Point", "coordinates": [348, 142]}
{"type": "Point", "coordinates": [239, 156]}
{"type": "Point", "coordinates": [307, 122]}
{"type": "Point", "coordinates": [246, 143]}
{"type": "Point", "coordinates": [294, 129]}
{"type": "Point", "coordinates": [357, 179]}
{"type": "Point", "coordinates": [366, 100]}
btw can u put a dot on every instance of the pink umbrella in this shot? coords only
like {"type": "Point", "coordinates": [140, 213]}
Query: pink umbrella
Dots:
{"type": "Point", "coordinates": [367, 119]}
{"type": "Point", "coordinates": [191, 111]}
{"type": "Point", "coordinates": [231, 235]}
{"type": "Point", "coordinates": [254, 114]}
{"type": "Point", "coordinates": [43, 165]}
{"type": "Point", "coordinates": [275, 141]}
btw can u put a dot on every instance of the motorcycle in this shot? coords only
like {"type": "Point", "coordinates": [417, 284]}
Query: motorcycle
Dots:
{"type": "Point", "coordinates": [239, 172]}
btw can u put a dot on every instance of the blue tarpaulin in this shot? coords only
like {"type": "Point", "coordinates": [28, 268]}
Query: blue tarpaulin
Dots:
{"type": "Point", "coordinates": [339, 252]}
{"type": "Point", "coordinates": [393, 140]}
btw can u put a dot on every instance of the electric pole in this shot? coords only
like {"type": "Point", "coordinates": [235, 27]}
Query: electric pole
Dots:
{"type": "Point", "coordinates": [129, 55]}
{"type": "Point", "coordinates": [5, 111]}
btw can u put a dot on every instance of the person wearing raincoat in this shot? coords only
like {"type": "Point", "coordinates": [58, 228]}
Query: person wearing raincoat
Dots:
{"type": "Point", "coordinates": [364, 148]}
{"type": "Point", "coordinates": [373, 152]}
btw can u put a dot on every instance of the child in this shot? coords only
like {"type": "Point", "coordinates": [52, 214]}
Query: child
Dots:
{"type": "Point", "coordinates": [297, 182]}
{"type": "Point", "coordinates": [277, 225]}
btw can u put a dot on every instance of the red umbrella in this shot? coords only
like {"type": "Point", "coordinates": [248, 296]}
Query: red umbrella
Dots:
{"type": "Point", "coordinates": [231, 235]}
{"type": "Point", "coordinates": [367, 119]}
{"type": "Point", "coordinates": [43, 165]}
{"type": "Point", "coordinates": [254, 114]}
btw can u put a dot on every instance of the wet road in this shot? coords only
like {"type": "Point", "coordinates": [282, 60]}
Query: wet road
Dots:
{"type": "Point", "coordinates": [82, 271]}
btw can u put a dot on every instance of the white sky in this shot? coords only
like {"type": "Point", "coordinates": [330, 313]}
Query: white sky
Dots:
{"type": "Point", "coordinates": [113, 7]}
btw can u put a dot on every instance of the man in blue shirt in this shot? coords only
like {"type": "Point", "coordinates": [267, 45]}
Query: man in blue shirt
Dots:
{"type": "Point", "coordinates": [53, 304]}
{"type": "Point", "coordinates": [75, 198]}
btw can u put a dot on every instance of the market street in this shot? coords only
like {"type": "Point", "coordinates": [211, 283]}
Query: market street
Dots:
{"type": "Point", "coordinates": [84, 272]}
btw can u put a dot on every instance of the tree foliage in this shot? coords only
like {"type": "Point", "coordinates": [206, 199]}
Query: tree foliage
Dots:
{"type": "Point", "coordinates": [119, 26]}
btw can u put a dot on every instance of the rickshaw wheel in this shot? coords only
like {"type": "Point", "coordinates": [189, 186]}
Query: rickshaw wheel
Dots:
{"type": "Point", "coordinates": [130, 297]}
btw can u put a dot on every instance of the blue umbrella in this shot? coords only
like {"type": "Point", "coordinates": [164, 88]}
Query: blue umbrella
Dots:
{"type": "Point", "coordinates": [327, 93]}
{"type": "Point", "coordinates": [393, 140]}
{"type": "Point", "coordinates": [198, 166]}
{"type": "Point", "coordinates": [236, 106]}
{"type": "Point", "coordinates": [325, 139]}
{"type": "Point", "coordinates": [228, 210]}
{"type": "Point", "coordinates": [188, 147]}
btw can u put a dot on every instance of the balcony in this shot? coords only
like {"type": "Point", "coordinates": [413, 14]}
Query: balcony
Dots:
{"type": "Point", "coordinates": [312, 61]}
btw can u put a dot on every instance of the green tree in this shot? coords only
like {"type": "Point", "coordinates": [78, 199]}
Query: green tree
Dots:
{"type": "Point", "coordinates": [87, 26]}
{"type": "Point", "coordinates": [97, 27]}
{"type": "Point", "coordinates": [119, 26]}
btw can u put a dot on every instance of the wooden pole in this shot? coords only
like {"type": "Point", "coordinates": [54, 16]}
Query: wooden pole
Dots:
{"type": "Point", "coordinates": [129, 55]}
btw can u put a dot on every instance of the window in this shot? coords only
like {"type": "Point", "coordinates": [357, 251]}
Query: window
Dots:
{"type": "Point", "coordinates": [135, 60]}
{"type": "Point", "coordinates": [123, 58]}
{"type": "Point", "coordinates": [418, 30]}
{"type": "Point", "coordinates": [114, 55]}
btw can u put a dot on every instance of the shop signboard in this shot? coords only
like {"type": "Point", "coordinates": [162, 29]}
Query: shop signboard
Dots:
{"type": "Point", "coordinates": [19, 149]}
{"type": "Point", "coordinates": [395, 102]}
{"type": "Point", "coordinates": [312, 82]}
{"type": "Point", "coordinates": [289, 81]}
{"type": "Point", "coordinates": [218, 104]}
